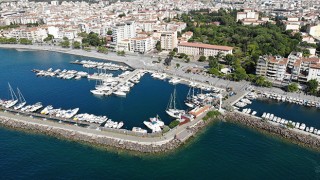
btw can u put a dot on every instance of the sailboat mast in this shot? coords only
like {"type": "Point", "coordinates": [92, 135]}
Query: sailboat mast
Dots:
{"type": "Point", "coordinates": [174, 98]}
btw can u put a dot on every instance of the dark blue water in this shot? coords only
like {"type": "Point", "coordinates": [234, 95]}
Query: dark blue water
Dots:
{"type": "Point", "coordinates": [223, 151]}
{"type": "Point", "coordinates": [146, 99]}
{"type": "Point", "coordinates": [290, 111]}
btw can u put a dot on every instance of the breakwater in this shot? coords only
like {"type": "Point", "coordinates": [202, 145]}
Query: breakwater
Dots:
{"type": "Point", "coordinates": [294, 135]}
{"type": "Point", "coordinates": [82, 136]}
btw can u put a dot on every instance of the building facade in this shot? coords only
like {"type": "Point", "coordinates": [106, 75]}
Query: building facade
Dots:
{"type": "Point", "coordinates": [125, 30]}
{"type": "Point", "coordinates": [198, 49]}
{"type": "Point", "coordinates": [168, 40]}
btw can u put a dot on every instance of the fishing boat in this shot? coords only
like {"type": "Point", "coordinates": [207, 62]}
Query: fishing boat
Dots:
{"type": "Point", "coordinates": [13, 101]}
{"type": "Point", "coordinates": [171, 108]}
{"type": "Point", "coordinates": [22, 101]}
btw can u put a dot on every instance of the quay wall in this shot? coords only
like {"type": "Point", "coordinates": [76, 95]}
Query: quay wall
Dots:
{"type": "Point", "coordinates": [301, 138]}
{"type": "Point", "coordinates": [81, 136]}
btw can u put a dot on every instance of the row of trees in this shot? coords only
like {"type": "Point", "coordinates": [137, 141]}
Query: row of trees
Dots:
{"type": "Point", "coordinates": [15, 41]}
{"type": "Point", "coordinates": [311, 87]}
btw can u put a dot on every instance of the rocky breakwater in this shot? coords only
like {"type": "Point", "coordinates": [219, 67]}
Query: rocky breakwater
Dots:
{"type": "Point", "coordinates": [88, 137]}
{"type": "Point", "coordinates": [294, 135]}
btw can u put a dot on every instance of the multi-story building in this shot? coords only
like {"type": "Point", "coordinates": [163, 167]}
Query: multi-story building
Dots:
{"type": "Point", "coordinates": [272, 67]}
{"type": "Point", "coordinates": [168, 40]}
{"type": "Point", "coordinates": [314, 30]}
{"type": "Point", "coordinates": [199, 49]}
{"type": "Point", "coordinates": [125, 30]}
{"type": "Point", "coordinates": [141, 45]}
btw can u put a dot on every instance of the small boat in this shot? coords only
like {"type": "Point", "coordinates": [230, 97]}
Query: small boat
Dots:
{"type": "Point", "coordinates": [139, 130]}
{"type": "Point", "coordinates": [97, 92]}
{"type": "Point", "coordinates": [119, 93]}
{"type": "Point", "coordinates": [120, 125]}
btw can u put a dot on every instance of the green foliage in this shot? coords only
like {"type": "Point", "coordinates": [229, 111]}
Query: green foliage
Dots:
{"type": "Point", "coordinates": [177, 65]}
{"type": "Point", "coordinates": [109, 32]}
{"type": "Point", "coordinates": [158, 46]}
{"type": "Point", "coordinates": [32, 24]}
{"type": "Point", "coordinates": [172, 54]}
{"type": "Point", "coordinates": [102, 49]}
{"type": "Point", "coordinates": [211, 115]}
{"type": "Point", "coordinates": [214, 71]}
{"type": "Point", "coordinates": [121, 53]}
{"type": "Point", "coordinates": [76, 45]}
{"type": "Point", "coordinates": [65, 43]}
{"type": "Point", "coordinates": [250, 42]}
{"type": "Point", "coordinates": [165, 129]}
{"type": "Point", "coordinates": [92, 39]}
{"type": "Point", "coordinates": [182, 55]}
{"type": "Point", "coordinates": [8, 40]}
{"type": "Point", "coordinates": [293, 87]}
{"type": "Point", "coordinates": [83, 34]}
{"type": "Point", "coordinates": [262, 81]}
{"type": "Point", "coordinates": [202, 58]}
{"type": "Point", "coordinates": [49, 38]}
{"type": "Point", "coordinates": [87, 49]}
{"type": "Point", "coordinates": [306, 53]}
{"type": "Point", "coordinates": [312, 86]}
{"type": "Point", "coordinates": [25, 41]}
{"type": "Point", "coordinates": [239, 74]}
{"type": "Point", "coordinates": [290, 125]}
{"type": "Point", "coordinates": [173, 124]}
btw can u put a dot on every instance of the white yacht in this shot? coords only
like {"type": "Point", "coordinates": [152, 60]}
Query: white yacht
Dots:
{"type": "Point", "coordinates": [157, 121]}
{"type": "Point", "coordinates": [97, 92]}
{"type": "Point", "coordinates": [153, 126]}
{"type": "Point", "coordinates": [120, 124]}
{"type": "Point", "coordinates": [46, 110]}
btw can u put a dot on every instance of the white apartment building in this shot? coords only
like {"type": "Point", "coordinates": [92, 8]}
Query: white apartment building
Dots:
{"type": "Point", "coordinates": [247, 14]}
{"type": "Point", "coordinates": [314, 72]}
{"type": "Point", "coordinates": [168, 40]}
{"type": "Point", "coordinates": [125, 30]}
{"type": "Point", "coordinates": [141, 45]}
{"type": "Point", "coordinates": [272, 67]}
{"type": "Point", "coordinates": [198, 49]}
{"type": "Point", "coordinates": [34, 34]}
{"type": "Point", "coordinates": [314, 30]}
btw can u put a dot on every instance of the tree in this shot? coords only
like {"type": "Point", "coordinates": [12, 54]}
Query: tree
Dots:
{"type": "Point", "coordinates": [102, 49]}
{"type": "Point", "coordinates": [293, 87]}
{"type": "Point", "coordinates": [312, 86]}
{"type": "Point", "coordinates": [172, 54]}
{"type": "Point", "coordinates": [229, 59]}
{"type": "Point", "coordinates": [262, 81]}
{"type": "Point", "coordinates": [49, 38]}
{"type": "Point", "coordinates": [177, 65]}
{"type": "Point", "coordinates": [202, 58]}
{"type": "Point", "coordinates": [109, 32]}
{"type": "Point", "coordinates": [76, 45]}
{"type": "Point", "coordinates": [121, 53]}
{"type": "Point", "coordinates": [65, 43]}
{"type": "Point", "coordinates": [92, 39]}
{"type": "Point", "coordinates": [306, 53]}
{"type": "Point", "coordinates": [25, 41]}
{"type": "Point", "coordinates": [240, 74]}
{"type": "Point", "coordinates": [158, 46]}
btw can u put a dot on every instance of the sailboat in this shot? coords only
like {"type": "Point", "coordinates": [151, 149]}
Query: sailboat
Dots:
{"type": "Point", "coordinates": [188, 102]}
{"type": "Point", "coordinates": [22, 101]}
{"type": "Point", "coordinates": [171, 108]}
{"type": "Point", "coordinates": [13, 100]}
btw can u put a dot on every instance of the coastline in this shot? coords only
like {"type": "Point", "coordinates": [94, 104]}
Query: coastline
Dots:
{"type": "Point", "coordinates": [165, 143]}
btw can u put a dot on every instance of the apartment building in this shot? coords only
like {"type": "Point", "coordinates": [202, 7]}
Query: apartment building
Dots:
{"type": "Point", "coordinates": [272, 67]}
{"type": "Point", "coordinates": [199, 49]}
{"type": "Point", "coordinates": [168, 40]}
{"type": "Point", "coordinates": [125, 30]}
{"type": "Point", "coordinates": [314, 30]}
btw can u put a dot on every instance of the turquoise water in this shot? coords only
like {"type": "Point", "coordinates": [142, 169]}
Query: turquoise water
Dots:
{"type": "Point", "coordinates": [223, 151]}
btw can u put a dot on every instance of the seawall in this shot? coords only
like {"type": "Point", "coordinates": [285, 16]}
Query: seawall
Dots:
{"type": "Point", "coordinates": [297, 136]}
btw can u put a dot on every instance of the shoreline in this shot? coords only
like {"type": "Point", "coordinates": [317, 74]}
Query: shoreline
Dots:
{"type": "Point", "coordinates": [167, 142]}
